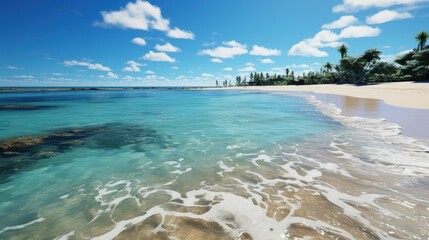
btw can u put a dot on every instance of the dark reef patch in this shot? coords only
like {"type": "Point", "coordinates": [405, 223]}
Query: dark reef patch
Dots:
{"type": "Point", "coordinates": [23, 107]}
{"type": "Point", "coordinates": [17, 153]}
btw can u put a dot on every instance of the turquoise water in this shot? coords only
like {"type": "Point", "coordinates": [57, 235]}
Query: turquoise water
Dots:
{"type": "Point", "coordinates": [167, 164]}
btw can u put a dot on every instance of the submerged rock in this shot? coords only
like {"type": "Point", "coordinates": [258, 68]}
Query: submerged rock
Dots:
{"type": "Point", "coordinates": [22, 107]}
{"type": "Point", "coordinates": [19, 152]}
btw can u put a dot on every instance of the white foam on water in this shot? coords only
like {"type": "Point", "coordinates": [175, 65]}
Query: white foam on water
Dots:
{"type": "Point", "coordinates": [180, 172]}
{"type": "Point", "coordinates": [65, 236]}
{"type": "Point", "coordinates": [104, 192]}
{"type": "Point", "coordinates": [225, 168]}
{"type": "Point", "coordinates": [406, 155]}
{"type": "Point", "coordinates": [21, 226]}
{"type": "Point", "coordinates": [65, 196]}
{"type": "Point", "coordinates": [261, 157]}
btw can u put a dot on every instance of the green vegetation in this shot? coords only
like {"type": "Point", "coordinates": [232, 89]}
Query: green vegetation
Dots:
{"type": "Point", "coordinates": [362, 69]}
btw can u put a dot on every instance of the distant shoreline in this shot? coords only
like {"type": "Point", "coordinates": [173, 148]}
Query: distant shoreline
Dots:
{"type": "Point", "coordinates": [56, 89]}
{"type": "Point", "coordinates": [399, 94]}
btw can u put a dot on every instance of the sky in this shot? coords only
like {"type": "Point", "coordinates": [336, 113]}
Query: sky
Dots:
{"type": "Point", "coordinates": [192, 43]}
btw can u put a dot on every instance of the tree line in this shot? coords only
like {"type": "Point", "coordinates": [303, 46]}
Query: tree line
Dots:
{"type": "Point", "coordinates": [361, 69]}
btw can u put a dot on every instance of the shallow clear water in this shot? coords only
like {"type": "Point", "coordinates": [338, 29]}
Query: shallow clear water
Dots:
{"type": "Point", "coordinates": [166, 164]}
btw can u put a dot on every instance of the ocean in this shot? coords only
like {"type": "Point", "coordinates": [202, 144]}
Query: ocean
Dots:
{"type": "Point", "coordinates": [198, 164]}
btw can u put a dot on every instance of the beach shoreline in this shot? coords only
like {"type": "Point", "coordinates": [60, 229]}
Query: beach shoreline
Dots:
{"type": "Point", "coordinates": [403, 103]}
{"type": "Point", "coordinates": [399, 94]}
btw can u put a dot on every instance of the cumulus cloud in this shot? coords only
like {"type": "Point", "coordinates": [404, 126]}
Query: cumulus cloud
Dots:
{"type": "Point", "coordinates": [112, 75]}
{"type": "Point", "coordinates": [181, 34]}
{"type": "Point", "coordinates": [387, 16]}
{"type": "Point", "coordinates": [267, 61]}
{"type": "Point", "coordinates": [142, 15]}
{"type": "Point", "coordinates": [342, 22]}
{"type": "Point", "coordinates": [139, 41]}
{"type": "Point", "coordinates": [326, 38]}
{"type": "Point", "coordinates": [262, 51]}
{"type": "Point", "coordinates": [89, 65]}
{"type": "Point", "coordinates": [168, 47]}
{"type": "Point", "coordinates": [234, 43]}
{"type": "Point", "coordinates": [216, 60]}
{"type": "Point", "coordinates": [356, 5]}
{"type": "Point", "coordinates": [231, 49]}
{"type": "Point", "coordinates": [228, 69]}
{"type": "Point", "coordinates": [247, 69]}
{"type": "Point", "coordinates": [207, 75]}
{"type": "Point", "coordinates": [158, 57]}
{"type": "Point", "coordinates": [304, 49]}
{"type": "Point", "coordinates": [133, 67]}
{"type": "Point", "coordinates": [149, 72]}
{"type": "Point", "coordinates": [24, 76]}
{"type": "Point", "coordinates": [359, 32]}
{"type": "Point", "coordinates": [12, 68]}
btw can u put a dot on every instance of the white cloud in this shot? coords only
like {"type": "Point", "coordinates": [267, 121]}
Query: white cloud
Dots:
{"type": "Point", "coordinates": [207, 75]}
{"type": "Point", "coordinates": [390, 58]}
{"type": "Point", "coordinates": [310, 47]}
{"type": "Point", "coordinates": [133, 66]}
{"type": "Point", "coordinates": [404, 52]}
{"type": "Point", "coordinates": [216, 60]}
{"type": "Point", "coordinates": [24, 76]}
{"type": "Point", "coordinates": [356, 5]}
{"type": "Point", "coordinates": [267, 61]}
{"type": "Point", "coordinates": [387, 16]}
{"type": "Point", "coordinates": [228, 77]}
{"type": "Point", "coordinates": [175, 67]}
{"type": "Point", "coordinates": [342, 22]}
{"type": "Point", "coordinates": [112, 75]}
{"type": "Point", "coordinates": [359, 32]}
{"type": "Point", "coordinates": [209, 44]}
{"type": "Point", "coordinates": [228, 69]}
{"type": "Point", "coordinates": [327, 38]}
{"type": "Point", "coordinates": [140, 15]}
{"type": "Point", "coordinates": [299, 66]}
{"type": "Point", "coordinates": [89, 65]}
{"type": "Point", "coordinates": [234, 43]}
{"type": "Point", "coordinates": [158, 57]}
{"type": "Point", "coordinates": [131, 62]}
{"type": "Point", "coordinates": [324, 38]}
{"type": "Point", "coordinates": [304, 49]}
{"type": "Point", "coordinates": [247, 69]}
{"type": "Point", "coordinates": [149, 72]}
{"type": "Point", "coordinates": [13, 68]}
{"type": "Point", "coordinates": [128, 78]}
{"type": "Point", "coordinates": [262, 51]}
{"type": "Point", "coordinates": [168, 47]}
{"type": "Point", "coordinates": [250, 64]}
{"type": "Point", "coordinates": [139, 41]}
{"type": "Point", "coordinates": [181, 34]}
{"type": "Point", "coordinates": [233, 49]}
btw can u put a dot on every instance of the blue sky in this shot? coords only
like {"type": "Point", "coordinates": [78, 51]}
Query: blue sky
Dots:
{"type": "Point", "coordinates": [192, 43]}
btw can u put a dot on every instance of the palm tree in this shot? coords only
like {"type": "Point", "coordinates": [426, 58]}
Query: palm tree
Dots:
{"type": "Point", "coordinates": [343, 50]}
{"type": "Point", "coordinates": [371, 56]}
{"type": "Point", "coordinates": [328, 67]}
{"type": "Point", "coordinates": [421, 38]}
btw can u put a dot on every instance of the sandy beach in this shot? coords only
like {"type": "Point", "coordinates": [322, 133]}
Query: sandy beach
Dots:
{"type": "Point", "coordinates": [400, 94]}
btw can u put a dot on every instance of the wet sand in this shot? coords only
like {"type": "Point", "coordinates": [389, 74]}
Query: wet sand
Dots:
{"type": "Point", "coordinates": [411, 120]}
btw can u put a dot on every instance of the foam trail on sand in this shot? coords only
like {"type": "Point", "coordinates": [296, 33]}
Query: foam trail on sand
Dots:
{"type": "Point", "coordinates": [16, 227]}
